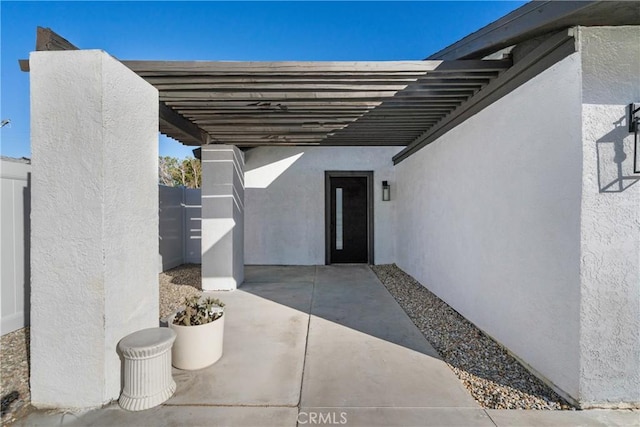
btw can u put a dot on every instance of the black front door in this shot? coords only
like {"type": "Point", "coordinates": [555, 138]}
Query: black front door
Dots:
{"type": "Point", "coordinates": [349, 219]}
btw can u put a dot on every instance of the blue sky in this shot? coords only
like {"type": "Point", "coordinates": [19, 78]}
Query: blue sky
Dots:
{"type": "Point", "coordinates": [227, 31]}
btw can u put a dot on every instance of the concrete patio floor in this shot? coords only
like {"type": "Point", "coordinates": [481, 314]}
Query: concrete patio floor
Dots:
{"type": "Point", "coordinates": [323, 345]}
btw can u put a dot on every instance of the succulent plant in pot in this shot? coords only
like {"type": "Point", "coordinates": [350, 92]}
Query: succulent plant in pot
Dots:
{"type": "Point", "coordinates": [199, 328]}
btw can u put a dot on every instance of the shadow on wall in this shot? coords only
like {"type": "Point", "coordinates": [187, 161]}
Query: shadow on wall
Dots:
{"type": "Point", "coordinates": [262, 172]}
{"type": "Point", "coordinates": [278, 220]}
{"type": "Point", "coordinates": [614, 159]}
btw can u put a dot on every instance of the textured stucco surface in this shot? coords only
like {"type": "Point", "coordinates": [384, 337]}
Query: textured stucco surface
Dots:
{"type": "Point", "coordinates": [94, 130]}
{"type": "Point", "coordinates": [610, 223]}
{"type": "Point", "coordinates": [489, 220]}
{"type": "Point", "coordinates": [285, 201]}
{"type": "Point", "coordinates": [222, 217]}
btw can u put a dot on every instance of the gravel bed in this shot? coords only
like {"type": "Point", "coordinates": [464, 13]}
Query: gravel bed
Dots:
{"type": "Point", "coordinates": [175, 285]}
{"type": "Point", "coordinates": [14, 375]}
{"type": "Point", "coordinates": [495, 379]}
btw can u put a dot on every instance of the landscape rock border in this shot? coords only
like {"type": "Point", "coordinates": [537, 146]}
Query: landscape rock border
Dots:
{"type": "Point", "coordinates": [495, 379]}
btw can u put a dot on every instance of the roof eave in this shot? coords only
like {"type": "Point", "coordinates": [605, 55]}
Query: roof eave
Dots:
{"type": "Point", "coordinates": [537, 18]}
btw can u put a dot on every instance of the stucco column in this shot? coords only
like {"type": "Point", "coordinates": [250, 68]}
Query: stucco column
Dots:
{"type": "Point", "coordinates": [94, 222]}
{"type": "Point", "coordinates": [222, 217]}
{"type": "Point", "coordinates": [609, 220]}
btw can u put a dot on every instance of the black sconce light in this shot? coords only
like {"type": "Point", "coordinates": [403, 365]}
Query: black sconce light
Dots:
{"type": "Point", "coordinates": [386, 191]}
{"type": "Point", "coordinates": [634, 127]}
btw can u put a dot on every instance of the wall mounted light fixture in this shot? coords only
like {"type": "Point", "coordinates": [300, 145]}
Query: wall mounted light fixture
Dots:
{"type": "Point", "coordinates": [386, 191]}
{"type": "Point", "coordinates": [633, 119]}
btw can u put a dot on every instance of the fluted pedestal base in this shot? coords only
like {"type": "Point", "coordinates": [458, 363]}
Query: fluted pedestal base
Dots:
{"type": "Point", "coordinates": [147, 368]}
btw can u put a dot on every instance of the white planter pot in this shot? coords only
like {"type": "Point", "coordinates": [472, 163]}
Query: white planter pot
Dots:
{"type": "Point", "coordinates": [197, 347]}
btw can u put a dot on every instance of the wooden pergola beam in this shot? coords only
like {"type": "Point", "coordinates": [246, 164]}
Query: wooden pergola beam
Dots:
{"type": "Point", "coordinates": [191, 134]}
{"type": "Point", "coordinates": [550, 51]}
{"type": "Point", "coordinates": [303, 69]}
{"type": "Point", "coordinates": [46, 39]}
{"type": "Point", "coordinates": [187, 131]}
{"type": "Point", "coordinates": [318, 103]}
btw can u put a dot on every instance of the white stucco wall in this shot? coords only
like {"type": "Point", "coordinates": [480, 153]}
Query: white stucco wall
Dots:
{"type": "Point", "coordinates": [94, 230]}
{"type": "Point", "coordinates": [285, 201]}
{"type": "Point", "coordinates": [489, 220]}
{"type": "Point", "coordinates": [610, 222]}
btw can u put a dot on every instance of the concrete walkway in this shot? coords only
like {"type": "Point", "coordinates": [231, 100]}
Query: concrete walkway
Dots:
{"type": "Point", "coordinates": [322, 345]}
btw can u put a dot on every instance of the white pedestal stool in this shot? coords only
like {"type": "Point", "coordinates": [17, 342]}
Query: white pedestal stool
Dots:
{"type": "Point", "coordinates": [147, 368]}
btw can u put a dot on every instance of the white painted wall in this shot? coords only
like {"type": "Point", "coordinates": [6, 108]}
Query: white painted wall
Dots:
{"type": "Point", "coordinates": [284, 201]}
{"type": "Point", "coordinates": [610, 226]}
{"type": "Point", "coordinates": [526, 219]}
{"type": "Point", "coordinates": [15, 208]}
{"type": "Point", "coordinates": [94, 236]}
{"type": "Point", "coordinates": [489, 220]}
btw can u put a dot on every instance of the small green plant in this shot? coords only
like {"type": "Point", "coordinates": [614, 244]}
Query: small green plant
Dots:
{"type": "Point", "coordinates": [199, 311]}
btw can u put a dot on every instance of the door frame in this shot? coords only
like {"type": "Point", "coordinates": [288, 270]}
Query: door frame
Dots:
{"type": "Point", "coordinates": [327, 210]}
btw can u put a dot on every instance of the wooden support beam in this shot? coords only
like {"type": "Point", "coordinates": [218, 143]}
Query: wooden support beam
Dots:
{"type": "Point", "coordinates": [269, 105]}
{"type": "Point", "coordinates": [552, 50]}
{"type": "Point", "coordinates": [234, 83]}
{"type": "Point", "coordinates": [309, 68]}
{"type": "Point", "coordinates": [252, 115]}
{"type": "Point", "coordinates": [185, 130]}
{"type": "Point", "coordinates": [190, 133]}
{"type": "Point", "coordinates": [46, 39]}
{"type": "Point", "coordinates": [239, 123]}
{"type": "Point", "coordinates": [290, 103]}
{"type": "Point", "coordinates": [525, 22]}
{"type": "Point", "coordinates": [24, 65]}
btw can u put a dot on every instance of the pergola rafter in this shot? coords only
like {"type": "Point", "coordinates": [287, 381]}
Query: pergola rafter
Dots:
{"type": "Point", "coordinates": [250, 104]}
{"type": "Point", "coordinates": [403, 103]}
{"type": "Point", "coordinates": [315, 103]}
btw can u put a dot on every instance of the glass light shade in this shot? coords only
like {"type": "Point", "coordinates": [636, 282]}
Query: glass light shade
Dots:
{"type": "Point", "coordinates": [386, 191]}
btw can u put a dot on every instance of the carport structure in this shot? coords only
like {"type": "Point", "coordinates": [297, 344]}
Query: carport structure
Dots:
{"type": "Point", "coordinates": [95, 123]}
{"type": "Point", "coordinates": [114, 109]}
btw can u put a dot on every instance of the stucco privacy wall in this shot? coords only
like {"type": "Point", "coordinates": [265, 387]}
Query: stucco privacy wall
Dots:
{"type": "Point", "coordinates": [94, 239]}
{"type": "Point", "coordinates": [610, 243]}
{"type": "Point", "coordinates": [489, 220]}
{"type": "Point", "coordinates": [222, 217]}
{"type": "Point", "coordinates": [285, 201]}
{"type": "Point", "coordinates": [14, 218]}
